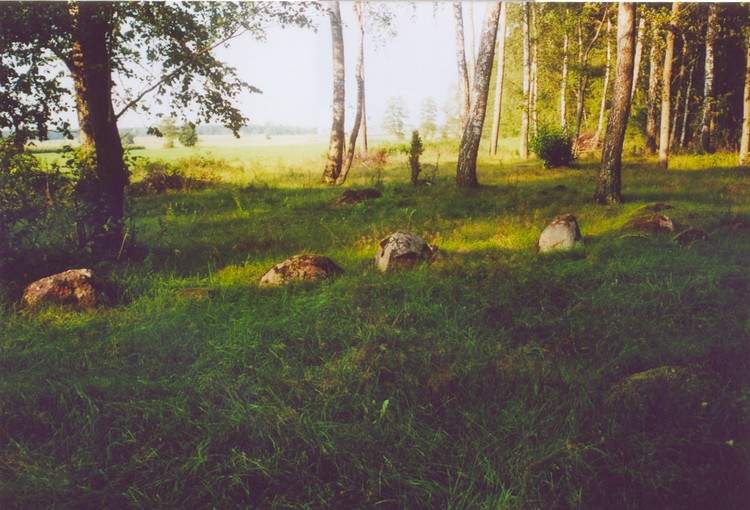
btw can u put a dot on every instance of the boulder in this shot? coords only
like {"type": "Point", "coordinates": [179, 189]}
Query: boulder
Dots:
{"type": "Point", "coordinates": [562, 234]}
{"type": "Point", "coordinates": [355, 196]}
{"type": "Point", "coordinates": [300, 267]}
{"type": "Point", "coordinates": [401, 248]}
{"type": "Point", "coordinates": [651, 223]}
{"type": "Point", "coordinates": [690, 236]}
{"type": "Point", "coordinates": [78, 289]}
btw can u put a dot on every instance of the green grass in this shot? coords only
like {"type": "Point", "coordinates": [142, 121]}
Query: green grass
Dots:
{"type": "Point", "coordinates": [481, 379]}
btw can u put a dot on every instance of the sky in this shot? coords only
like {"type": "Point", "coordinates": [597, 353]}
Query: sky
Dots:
{"type": "Point", "coordinates": [293, 67]}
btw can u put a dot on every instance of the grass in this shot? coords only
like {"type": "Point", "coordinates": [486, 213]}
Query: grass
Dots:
{"type": "Point", "coordinates": [482, 379]}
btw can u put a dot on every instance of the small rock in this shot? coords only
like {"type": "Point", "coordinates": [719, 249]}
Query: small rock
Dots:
{"type": "Point", "coordinates": [355, 196]}
{"type": "Point", "coordinates": [401, 248]}
{"type": "Point", "coordinates": [688, 237]}
{"type": "Point", "coordinates": [300, 267]}
{"type": "Point", "coordinates": [655, 208]}
{"type": "Point", "coordinates": [76, 288]}
{"type": "Point", "coordinates": [651, 223]}
{"type": "Point", "coordinates": [562, 234]}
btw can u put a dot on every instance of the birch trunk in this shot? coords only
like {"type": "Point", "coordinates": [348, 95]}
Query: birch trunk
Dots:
{"type": "Point", "coordinates": [472, 45]}
{"type": "Point", "coordinates": [673, 136]}
{"type": "Point", "coordinates": [360, 97]}
{"type": "Point", "coordinates": [583, 79]}
{"type": "Point", "coordinates": [534, 68]}
{"type": "Point", "coordinates": [336, 144]}
{"type": "Point", "coordinates": [523, 149]}
{"type": "Point", "coordinates": [564, 84]}
{"type": "Point", "coordinates": [466, 171]}
{"type": "Point", "coordinates": [609, 182]}
{"type": "Point", "coordinates": [653, 92]}
{"type": "Point", "coordinates": [605, 88]}
{"type": "Point", "coordinates": [499, 78]}
{"type": "Point", "coordinates": [638, 52]}
{"type": "Point", "coordinates": [666, 90]}
{"type": "Point", "coordinates": [708, 83]}
{"type": "Point", "coordinates": [683, 132]}
{"type": "Point", "coordinates": [745, 137]}
{"type": "Point", "coordinates": [463, 72]}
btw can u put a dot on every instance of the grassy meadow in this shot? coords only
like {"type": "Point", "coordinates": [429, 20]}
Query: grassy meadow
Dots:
{"type": "Point", "coordinates": [488, 377]}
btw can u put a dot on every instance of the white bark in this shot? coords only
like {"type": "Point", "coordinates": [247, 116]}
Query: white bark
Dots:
{"type": "Point", "coordinates": [499, 78]}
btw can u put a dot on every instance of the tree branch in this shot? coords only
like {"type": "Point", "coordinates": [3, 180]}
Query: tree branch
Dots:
{"type": "Point", "coordinates": [166, 77]}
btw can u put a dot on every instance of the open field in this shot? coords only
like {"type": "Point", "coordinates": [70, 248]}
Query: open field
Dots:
{"type": "Point", "coordinates": [488, 377]}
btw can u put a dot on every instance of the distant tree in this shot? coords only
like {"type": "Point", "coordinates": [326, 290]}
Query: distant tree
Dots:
{"type": "Point", "coordinates": [605, 87]}
{"type": "Point", "coordinates": [564, 75]}
{"type": "Point", "coordinates": [666, 88]}
{"type": "Point", "coordinates": [169, 131]}
{"type": "Point", "coordinates": [127, 138]}
{"type": "Point", "coordinates": [523, 148]}
{"type": "Point", "coordinates": [188, 136]}
{"type": "Point", "coordinates": [652, 98]}
{"type": "Point", "coordinates": [336, 143]}
{"type": "Point", "coordinates": [466, 170]}
{"type": "Point", "coordinates": [415, 151]}
{"type": "Point", "coordinates": [500, 76]}
{"type": "Point", "coordinates": [395, 114]}
{"type": "Point", "coordinates": [428, 117]}
{"type": "Point", "coordinates": [608, 185]}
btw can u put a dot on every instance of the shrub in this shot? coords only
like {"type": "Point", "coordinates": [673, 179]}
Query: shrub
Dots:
{"type": "Point", "coordinates": [553, 146]}
{"type": "Point", "coordinates": [415, 151]}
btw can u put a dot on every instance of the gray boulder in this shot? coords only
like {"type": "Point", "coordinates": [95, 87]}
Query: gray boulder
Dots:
{"type": "Point", "coordinates": [562, 234]}
{"type": "Point", "coordinates": [401, 248]}
{"type": "Point", "coordinates": [300, 267]}
{"type": "Point", "coordinates": [76, 288]}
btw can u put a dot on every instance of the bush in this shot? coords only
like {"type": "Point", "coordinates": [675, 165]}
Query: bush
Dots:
{"type": "Point", "coordinates": [553, 146]}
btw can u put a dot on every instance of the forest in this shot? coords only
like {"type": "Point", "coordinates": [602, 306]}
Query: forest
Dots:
{"type": "Point", "coordinates": [532, 292]}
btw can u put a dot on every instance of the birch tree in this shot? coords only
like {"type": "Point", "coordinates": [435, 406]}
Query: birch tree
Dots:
{"type": "Point", "coordinates": [336, 142]}
{"type": "Point", "coordinates": [360, 112]}
{"type": "Point", "coordinates": [653, 90]}
{"type": "Point", "coordinates": [523, 149]}
{"type": "Point", "coordinates": [708, 81]}
{"type": "Point", "coordinates": [463, 72]}
{"type": "Point", "coordinates": [744, 159]}
{"type": "Point", "coordinates": [466, 171]}
{"type": "Point", "coordinates": [499, 78]}
{"type": "Point", "coordinates": [564, 77]}
{"type": "Point", "coordinates": [609, 182]}
{"type": "Point", "coordinates": [605, 87]}
{"type": "Point", "coordinates": [638, 53]}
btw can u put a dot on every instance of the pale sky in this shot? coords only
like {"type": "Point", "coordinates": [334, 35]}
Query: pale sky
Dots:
{"type": "Point", "coordinates": [293, 67]}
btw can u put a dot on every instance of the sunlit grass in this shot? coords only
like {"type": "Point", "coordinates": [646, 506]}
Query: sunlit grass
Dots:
{"type": "Point", "coordinates": [480, 379]}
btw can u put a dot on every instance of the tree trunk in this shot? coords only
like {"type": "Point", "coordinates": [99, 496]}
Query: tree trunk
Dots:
{"type": "Point", "coordinates": [708, 83]}
{"type": "Point", "coordinates": [499, 78]}
{"type": "Point", "coordinates": [472, 45]}
{"type": "Point", "coordinates": [466, 171]}
{"type": "Point", "coordinates": [564, 83]}
{"type": "Point", "coordinates": [609, 183]}
{"type": "Point", "coordinates": [92, 77]}
{"type": "Point", "coordinates": [336, 144]}
{"type": "Point", "coordinates": [605, 88]}
{"type": "Point", "coordinates": [523, 149]}
{"type": "Point", "coordinates": [666, 89]}
{"type": "Point", "coordinates": [583, 78]}
{"type": "Point", "coordinates": [683, 132]}
{"type": "Point", "coordinates": [360, 97]}
{"type": "Point", "coordinates": [653, 91]}
{"type": "Point", "coordinates": [673, 132]}
{"type": "Point", "coordinates": [745, 137]}
{"type": "Point", "coordinates": [463, 72]}
{"type": "Point", "coordinates": [638, 53]}
{"type": "Point", "coordinates": [534, 68]}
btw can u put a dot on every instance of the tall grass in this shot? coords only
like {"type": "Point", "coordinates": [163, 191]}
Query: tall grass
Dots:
{"type": "Point", "coordinates": [481, 379]}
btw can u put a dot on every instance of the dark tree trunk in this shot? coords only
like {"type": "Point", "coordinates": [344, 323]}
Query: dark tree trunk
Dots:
{"type": "Point", "coordinates": [708, 83]}
{"type": "Point", "coordinates": [360, 98]}
{"type": "Point", "coordinates": [608, 185]}
{"type": "Point", "coordinates": [466, 172]}
{"type": "Point", "coordinates": [463, 72]}
{"type": "Point", "coordinates": [336, 144]}
{"type": "Point", "coordinates": [666, 89]}
{"type": "Point", "coordinates": [93, 85]}
{"type": "Point", "coordinates": [653, 92]}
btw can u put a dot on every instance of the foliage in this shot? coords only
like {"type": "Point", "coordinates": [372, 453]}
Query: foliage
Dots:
{"type": "Point", "coordinates": [415, 151]}
{"type": "Point", "coordinates": [553, 146]}
{"type": "Point", "coordinates": [394, 116]}
{"type": "Point", "coordinates": [188, 136]}
{"type": "Point", "coordinates": [168, 130]}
